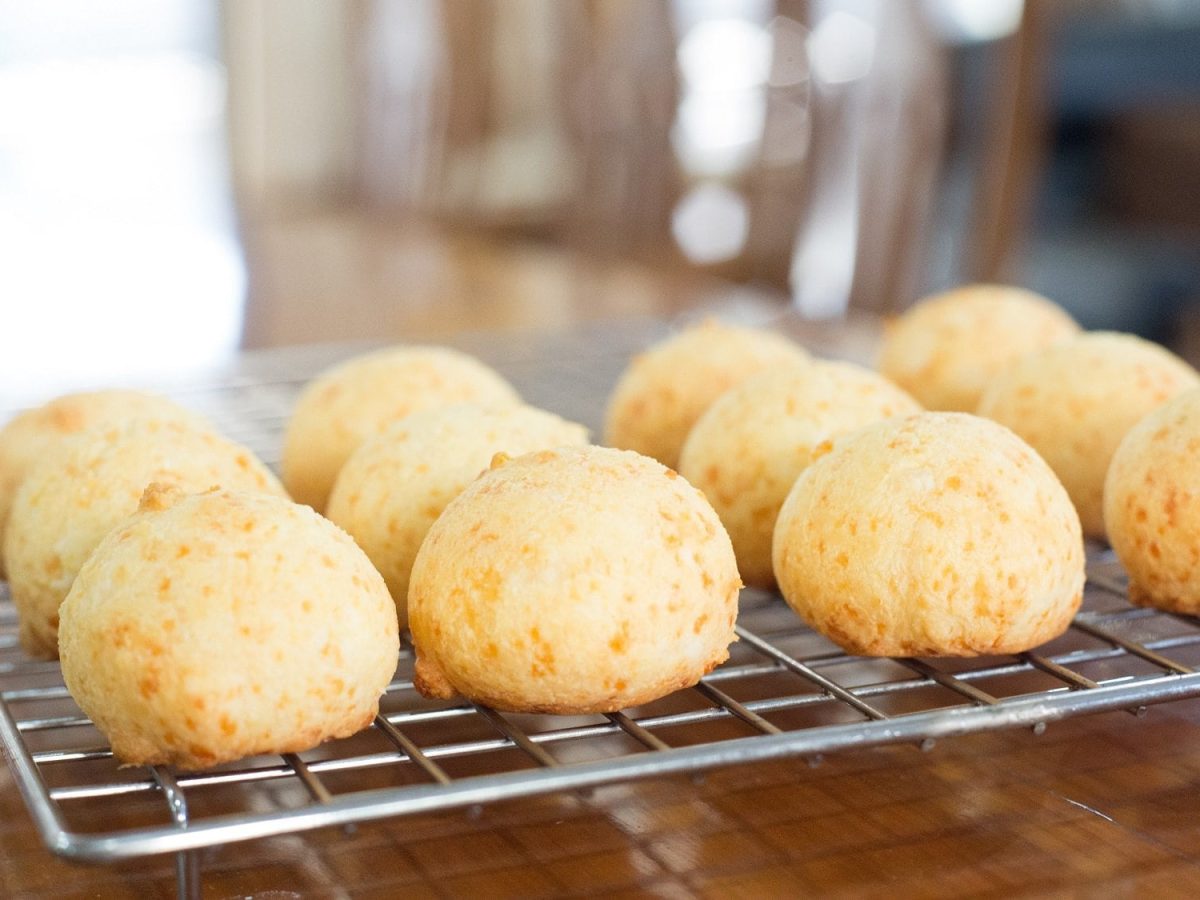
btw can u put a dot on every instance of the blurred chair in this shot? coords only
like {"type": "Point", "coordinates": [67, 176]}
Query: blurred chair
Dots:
{"type": "Point", "coordinates": [792, 143]}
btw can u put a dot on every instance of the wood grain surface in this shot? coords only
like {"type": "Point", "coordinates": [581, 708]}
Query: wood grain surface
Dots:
{"type": "Point", "coordinates": [1103, 806]}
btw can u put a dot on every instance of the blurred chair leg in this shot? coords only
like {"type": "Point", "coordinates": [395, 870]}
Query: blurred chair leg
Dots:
{"type": "Point", "coordinates": [1017, 146]}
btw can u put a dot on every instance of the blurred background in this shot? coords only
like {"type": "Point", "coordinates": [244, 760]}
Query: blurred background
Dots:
{"type": "Point", "coordinates": [183, 178]}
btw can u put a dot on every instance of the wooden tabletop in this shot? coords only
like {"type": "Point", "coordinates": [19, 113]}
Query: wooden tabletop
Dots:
{"type": "Point", "coordinates": [1100, 806]}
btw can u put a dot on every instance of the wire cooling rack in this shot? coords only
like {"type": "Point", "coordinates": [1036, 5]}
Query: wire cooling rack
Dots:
{"type": "Point", "coordinates": [785, 691]}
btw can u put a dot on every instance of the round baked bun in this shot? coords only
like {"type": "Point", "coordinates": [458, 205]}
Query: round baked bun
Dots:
{"type": "Point", "coordinates": [87, 485]}
{"type": "Point", "coordinates": [1075, 402]}
{"type": "Point", "coordinates": [947, 348]}
{"type": "Point", "coordinates": [213, 626]}
{"type": "Point", "coordinates": [1152, 506]}
{"type": "Point", "coordinates": [27, 437]}
{"type": "Point", "coordinates": [747, 450]}
{"type": "Point", "coordinates": [395, 485]}
{"type": "Point", "coordinates": [358, 399]}
{"type": "Point", "coordinates": [942, 534]}
{"type": "Point", "coordinates": [575, 580]}
{"type": "Point", "coordinates": [667, 388]}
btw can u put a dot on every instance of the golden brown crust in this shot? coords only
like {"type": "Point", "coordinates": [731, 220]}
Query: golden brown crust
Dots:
{"type": "Point", "coordinates": [226, 625]}
{"type": "Point", "coordinates": [394, 486]}
{"type": "Point", "coordinates": [132, 750]}
{"type": "Point", "coordinates": [26, 438]}
{"type": "Point", "coordinates": [572, 580]}
{"type": "Point", "coordinates": [1052, 623]}
{"type": "Point", "coordinates": [662, 393]}
{"type": "Point", "coordinates": [937, 535]}
{"type": "Point", "coordinates": [358, 399]}
{"type": "Point", "coordinates": [947, 348]}
{"type": "Point", "coordinates": [747, 450]}
{"type": "Point", "coordinates": [610, 703]}
{"type": "Point", "coordinates": [1142, 595]}
{"type": "Point", "coordinates": [1152, 506]}
{"type": "Point", "coordinates": [430, 680]}
{"type": "Point", "coordinates": [1073, 403]}
{"type": "Point", "coordinates": [158, 496]}
{"type": "Point", "coordinates": [86, 485]}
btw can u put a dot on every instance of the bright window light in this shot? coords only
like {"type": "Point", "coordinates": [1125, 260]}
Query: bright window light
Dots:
{"type": "Point", "coordinates": [724, 63]}
{"type": "Point", "coordinates": [841, 47]}
{"type": "Point", "coordinates": [116, 223]}
{"type": "Point", "coordinates": [726, 55]}
{"type": "Point", "coordinates": [710, 223]}
{"type": "Point", "coordinates": [970, 21]}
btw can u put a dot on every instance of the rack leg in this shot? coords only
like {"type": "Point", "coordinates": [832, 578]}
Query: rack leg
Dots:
{"type": "Point", "coordinates": [187, 875]}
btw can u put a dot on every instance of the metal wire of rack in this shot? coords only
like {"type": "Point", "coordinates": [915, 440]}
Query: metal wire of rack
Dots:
{"type": "Point", "coordinates": [784, 692]}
